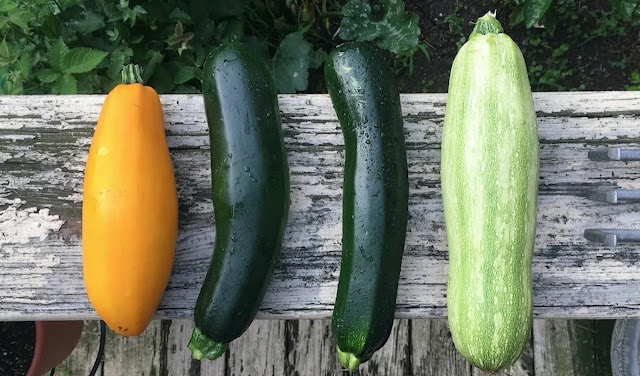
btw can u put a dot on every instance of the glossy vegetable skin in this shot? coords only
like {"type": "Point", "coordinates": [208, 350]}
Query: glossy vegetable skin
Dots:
{"type": "Point", "coordinates": [489, 188]}
{"type": "Point", "coordinates": [375, 199]}
{"type": "Point", "coordinates": [129, 209]}
{"type": "Point", "coordinates": [250, 180]}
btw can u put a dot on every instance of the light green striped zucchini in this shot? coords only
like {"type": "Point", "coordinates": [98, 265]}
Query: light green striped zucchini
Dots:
{"type": "Point", "coordinates": [490, 189]}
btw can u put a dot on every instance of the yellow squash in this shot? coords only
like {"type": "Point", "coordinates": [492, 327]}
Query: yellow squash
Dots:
{"type": "Point", "coordinates": [129, 209]}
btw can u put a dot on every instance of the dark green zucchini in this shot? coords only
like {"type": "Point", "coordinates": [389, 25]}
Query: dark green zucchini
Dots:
{"type": "Point", "coordinates": [250, 181]}
{"type": "Point", "coordinates": [375, 200]}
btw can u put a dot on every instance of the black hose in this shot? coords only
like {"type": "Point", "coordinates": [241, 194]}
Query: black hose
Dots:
{"type": "Point", "coordinates": [103, 335]}
{"type": "Point", "coordinates": [53, 371]}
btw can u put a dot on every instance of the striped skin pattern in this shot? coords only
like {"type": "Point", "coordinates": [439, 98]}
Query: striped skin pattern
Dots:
{"type": "Point", "coordinates": [490, 189]}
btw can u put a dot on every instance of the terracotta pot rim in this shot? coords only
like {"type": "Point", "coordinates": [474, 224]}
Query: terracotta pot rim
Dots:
{"type": "Point", "coordinates": [43, 360]}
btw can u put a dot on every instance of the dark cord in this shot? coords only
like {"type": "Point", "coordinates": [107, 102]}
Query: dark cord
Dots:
{"type": "Point", "coordinates": [103, 334]}
{"type": "Point", "coordinates": [53, 371]}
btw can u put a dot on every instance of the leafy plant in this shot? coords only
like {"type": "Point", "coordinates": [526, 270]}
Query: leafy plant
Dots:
{"type": "Point", "coordinates": [625, 8]}
{"type": "Point", "coordinates": [534, 12]}
{"type": "Point", "coordinates": [76, 46]}
{"type": "Point", "coordinates": [65, 64]}
{"type": "Point", "coordinates": [393, 30]}
{"type": "Point", "coordinates": [635, 82]}
{"type": "Point", "coordinates": [571, 62]}
{"type": "Point", "coordinates": [455, 22]}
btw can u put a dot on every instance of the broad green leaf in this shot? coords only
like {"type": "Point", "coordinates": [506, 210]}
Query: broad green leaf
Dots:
{"type": "Point", "coordinates": [396, 31]}
{"type": "Point", "coordinates": [116, 63]}
{"type": "Point", "coordinates": [624, 8]}
{"type": "Point", "coordinates": [24, 64]}
{"type": "Point", "coordinates": [534, 10]}
{"type": "Point", "coordinates": [57, 53]}
{"type": "Point", "coordinates": [87, 83]}
{"type": "Point", "coordinates": [21, 18]}
{"type": "Point", "coordinates": [162, 80]}
{"type": "Point", "coordinates": [51, 27]}
{"type": "Point", "coordinates": [517, 16]}
{"type": "Point", "coordinates": [87, 23]}
{"type": "Point", "coordinates": [82, 59]}
{"type": "Point", "coordinates": [184, 74]}
{"type": "Point", "coordinates": [155, 59]}
{"type": "Point", "coordinates": [7, 5]}
{"type": "Point", "coordinates": [178, 14]}
{"type": "Point", "coordinates": [47, 75]}
{"type": "Point", "coordinates": [9, 52]}
{"type": "Point", "coordinates": [258, 45]}
{"type": "Point", "coordinates": [290, 64]}
{"type": "Point", "coordinates": [139, 10]}
{"type": "Point", "coordinates": [317, 58]}
{"type": "Point", "coordinates": [550, 20]}
{"type": "Point", "coordinates": [229, 30]}
{"type": "Point", "coordinates": [5, 54]}
{"type": "Point", "coordinates": [66, 84]}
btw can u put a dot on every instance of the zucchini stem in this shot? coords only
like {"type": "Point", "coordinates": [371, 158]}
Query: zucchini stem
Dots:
{"type": "Point", "coordinates": [487, 24]}
{"type": "Point", "coordinates": [348, 360]}
{"type": "Point", "coordinates": [132, 74]}
{"type": "Point", "coordinates": [202, 346]}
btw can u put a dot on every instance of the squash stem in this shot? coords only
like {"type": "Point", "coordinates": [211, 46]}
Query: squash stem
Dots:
{"type": "Point", "coordinates": [348, 360]}
{"type": "Point", "coordinates": [487, 24]}
{"type": "Point", "coordinates": [202, 346]}
{"type": "Point", "coordinates": [132, 74]}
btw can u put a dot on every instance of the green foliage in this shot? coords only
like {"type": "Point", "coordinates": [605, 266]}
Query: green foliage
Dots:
{"type": "Point", "coordinates": [80, 46]}
{"type": "Point", "coordinates": [293, 55]}
{"type": "Point", "coordinates": [533, 12]}
{"type": "Point", "coordinates": [394, 30]}
{"type": "Point", "coordinates": [625, 8]}
{"type": "Point", "coordinates": [456, 23]}
{"type": "Point", "coordinates": [634, 82]}
{"type": "Point", "coordinates": [552, 60]}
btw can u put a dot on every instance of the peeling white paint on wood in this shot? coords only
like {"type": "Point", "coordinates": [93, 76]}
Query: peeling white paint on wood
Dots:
{"type": "Point", "coordinates": [43, 146]}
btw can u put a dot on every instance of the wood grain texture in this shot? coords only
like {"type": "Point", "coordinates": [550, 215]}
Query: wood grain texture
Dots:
{"type": "Point", "coordinates": [81, 360]}
{"type": "Point", "coordinates": [419, 347]}
{"type": "Point", "coordinates": [175, 335]}
{"type": "Point", "coordinates": [310, 348]}
{"type": "Point", "coordinates": [433, 352]}
{"type": "Point", "coordinates": [572, 347]}
{"type": "Point", "coordinates": [43, 145]}
{"type": "Point", "coordinates": [394, 358]}
{"type": "Point", "coordinates": [259, 351]}
{"type": "Point", "coordinates": [133, 355]}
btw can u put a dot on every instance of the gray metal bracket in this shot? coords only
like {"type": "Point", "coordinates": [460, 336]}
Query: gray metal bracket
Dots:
{"type": "Point", "coordinates": [615, 154]}
{"type": "Point", "coordinates": [611, 237]}
{"type": "Point", "coordinates": [614, 196]}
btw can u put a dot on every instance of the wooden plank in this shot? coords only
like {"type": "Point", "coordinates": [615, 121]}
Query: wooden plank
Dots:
{"type": "Point", "coordinates": [433, 352]}
{"type": "Point", "coordinates": [81, 360]}
{"type": "Point", "coordinates": [43, 144]}
{"type": "Point", "coordinates": [572, 347]}
{"type": "Point", "coordinates": [259, 351]}
{"type": "Point", "coordinates": [175, 355]}
{"type": "Point", "coordinates": [310, 348]}
{"type": "Point", "coordinates": [524, 366]}
{"type": "Point", "coordinates": [138, 356]}
{"type": "Point", "coordinates": [394, 358]}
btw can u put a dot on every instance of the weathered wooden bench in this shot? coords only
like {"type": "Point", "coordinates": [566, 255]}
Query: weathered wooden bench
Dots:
{"type": "Point", "coordinates": [43, 146]}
